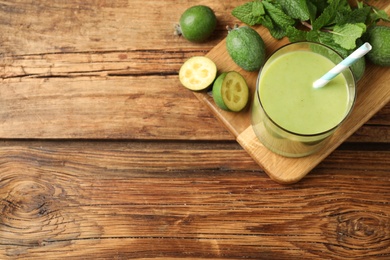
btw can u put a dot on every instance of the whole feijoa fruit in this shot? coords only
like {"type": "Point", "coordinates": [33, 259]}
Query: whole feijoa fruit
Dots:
{"type": "Point", "coordinates": [197, 23]}
{"type": "Point", "coordinates": [246, 47]}
{"type": "Point", "coordinates": [379, 38]}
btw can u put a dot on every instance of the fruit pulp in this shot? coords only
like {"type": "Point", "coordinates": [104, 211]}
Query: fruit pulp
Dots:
{"type": "Point", "coordinates": [197, 73]}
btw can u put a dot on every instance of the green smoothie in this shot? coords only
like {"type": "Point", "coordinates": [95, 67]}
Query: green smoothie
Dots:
{"type": "Point", "coordinates": [289, 116]}
{"type": "Point", "coordinates": [288, 98]}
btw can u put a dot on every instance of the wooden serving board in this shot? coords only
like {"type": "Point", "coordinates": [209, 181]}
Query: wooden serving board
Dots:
{"type": "Point", "coordinates": [373, 92]}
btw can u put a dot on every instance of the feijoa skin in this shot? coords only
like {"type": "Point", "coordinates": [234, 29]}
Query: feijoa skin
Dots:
{"type": "Point", "coordinates": [246, 47]}
{"type": "Point", "coordinates": [230, 91]}
{"type": "Point", "coordinates": [197, 23]}
{"type": "Point", "coordinates": [379, 38]}
{"type": "Point", "coordinates": [217, 92]}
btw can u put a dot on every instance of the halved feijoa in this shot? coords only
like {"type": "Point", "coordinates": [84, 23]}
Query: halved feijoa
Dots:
{"type": "Point", "coordinates": [197, 73]}
{"type": "Point", "coordinates": [217, 91]}
{"type": "Point", "coordinates": [231, 92]}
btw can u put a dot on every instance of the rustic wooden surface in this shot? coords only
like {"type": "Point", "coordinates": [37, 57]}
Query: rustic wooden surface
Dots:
{"type": "Point", "coordinates": [104, 155]}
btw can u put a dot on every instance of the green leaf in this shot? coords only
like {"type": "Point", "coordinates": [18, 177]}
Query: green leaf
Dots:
{"type": "Point", "coordinates": [275, 30]}
{"type": "Point", "coordinates": [377, 15]}
{"type": "Point", "coordinates": [296, 9]}
{"type": "Point", "coordinates": [341, 14]}
{"type": "Point", "coordinates": [266, 21]}
{"type": "Point", "coordinates": [328, 15]}
{"type": "Point", "coordinates": [359, 15]}
{"type": "Point", "coordinates": [244, 13]}
{"type": "Point", "coordinates": [319, 4]}
{"type": "Point", "coordinates": [277, 15]}
{"type": "Point", "coordinates": [346, 35]}
{"type": "Point", "coordinates": [312, 11]}
{"type": "Point", "coordinates": [326, 38]}
{"type": "Point", "coordinates": [313, 36]}
{"type": "Point", "coordinates": [295, 35]}
{"type": "Point", "coordinates": [258, 8]}
{"type": "Point", "coordinates": [360, 4]}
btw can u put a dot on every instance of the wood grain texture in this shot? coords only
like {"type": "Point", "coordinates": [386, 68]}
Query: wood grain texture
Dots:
{"type": "Point", "coordinates": [57, 57]}
{"type": "Point", "coordinates": [207, 206]}
{"type": "Point", "coordinates": [60, 60]}
{"type": "Point", "coordinates": [103, 155]}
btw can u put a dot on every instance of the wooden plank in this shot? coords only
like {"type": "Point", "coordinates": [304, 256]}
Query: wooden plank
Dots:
{"type": "Point", "coordinates": [373, 94]}
{"type": "Point", "coordinates": [53, 55]}
{"type": "Point", "coordinates": [97, 25]}
{"type": "Point", "coordinates": [50, 58]}
{"type": "Point", "coordinates": [95, 107]}
{"type": "Point", "coordinates": [83, 96]}
{"type": "Point", "coordinates": [57, 200]}
{"type": "Point", "coordinates": [156, 199]}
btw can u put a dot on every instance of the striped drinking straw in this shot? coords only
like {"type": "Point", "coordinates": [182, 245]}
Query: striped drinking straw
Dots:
{"type": "Point", "coordinates": [351, 59]}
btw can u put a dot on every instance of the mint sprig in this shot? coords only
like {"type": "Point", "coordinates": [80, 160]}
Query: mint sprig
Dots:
{"type": "Point", "coordinates": [246, 14]}
{"type": "Point", "coordinates": [346, 35]}
{"type": "Point", "coordinates": [331, 22]}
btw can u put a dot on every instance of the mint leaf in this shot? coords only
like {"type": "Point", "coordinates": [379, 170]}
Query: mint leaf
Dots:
{"type": "Point", "coordinates": [346, 35]}
{"type": "Point", "coordinates": [326, 38]}
{"type": "Point", "coordinates": [266, 21]}
{"type": "Point", "coordinates": [296, 9]}
{"type": "Point", "coordinates": [275, 30]}
{"type": "Point", "coordinates": [244, 13]}
{"type": "Point", "coordinates": [258, 8]}
{"type": "Point", "coordinates": [328, 15]}
{"type": "Point", "coordinates": [312, 10]}
{"type": "Point", "coordinates": [277, 15]}
{"type": "Point", "coordinates": [377, 15]}
{"type": "Point", "coordinates": [331, 22]}
{"type": "Point", "coordinates": [359, 15]}
{"type": "Point", "coordinates": [343, 10]}
{"type": "Point", "coordinates": [319, 4]}
{"type": "Point", "coordinates": [313, 36]}
{"type": "Point", "coordinates": [295, 35]}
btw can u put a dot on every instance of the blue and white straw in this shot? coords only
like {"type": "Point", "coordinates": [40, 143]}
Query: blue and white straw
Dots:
{"type": "Point", "coordinates": [351, 59]}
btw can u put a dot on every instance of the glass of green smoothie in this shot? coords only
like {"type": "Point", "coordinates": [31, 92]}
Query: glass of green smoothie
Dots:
{"type": "Point", "coordinates": [291, 117]}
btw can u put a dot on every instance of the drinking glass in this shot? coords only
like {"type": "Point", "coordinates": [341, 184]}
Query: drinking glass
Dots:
{"type": "Point", "coordinates": [273, 134]}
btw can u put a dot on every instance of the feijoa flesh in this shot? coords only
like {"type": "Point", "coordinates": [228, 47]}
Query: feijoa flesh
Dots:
{"type": "Point", "coordinates": [197, 73]}
{"type": "Point", "coordinates": [230, 91]}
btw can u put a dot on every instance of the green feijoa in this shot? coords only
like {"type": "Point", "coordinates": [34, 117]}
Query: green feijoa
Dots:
{"type": "Point", "coordinates": [235, 91]}
{"type": "Point", "coordinates": [379, 38]}
{"type": "Point", "coordinates": [217, 95]}
{"type": "Point", "coordinates": [246, 47]}
{"type": "Point", "coordinates": [197, 23]}
{"type": "Point", "coordinates": [197, 73]}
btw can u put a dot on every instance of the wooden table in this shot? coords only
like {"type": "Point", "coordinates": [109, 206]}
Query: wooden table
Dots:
{"type": "Point", "coordinates": [104, 155]}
